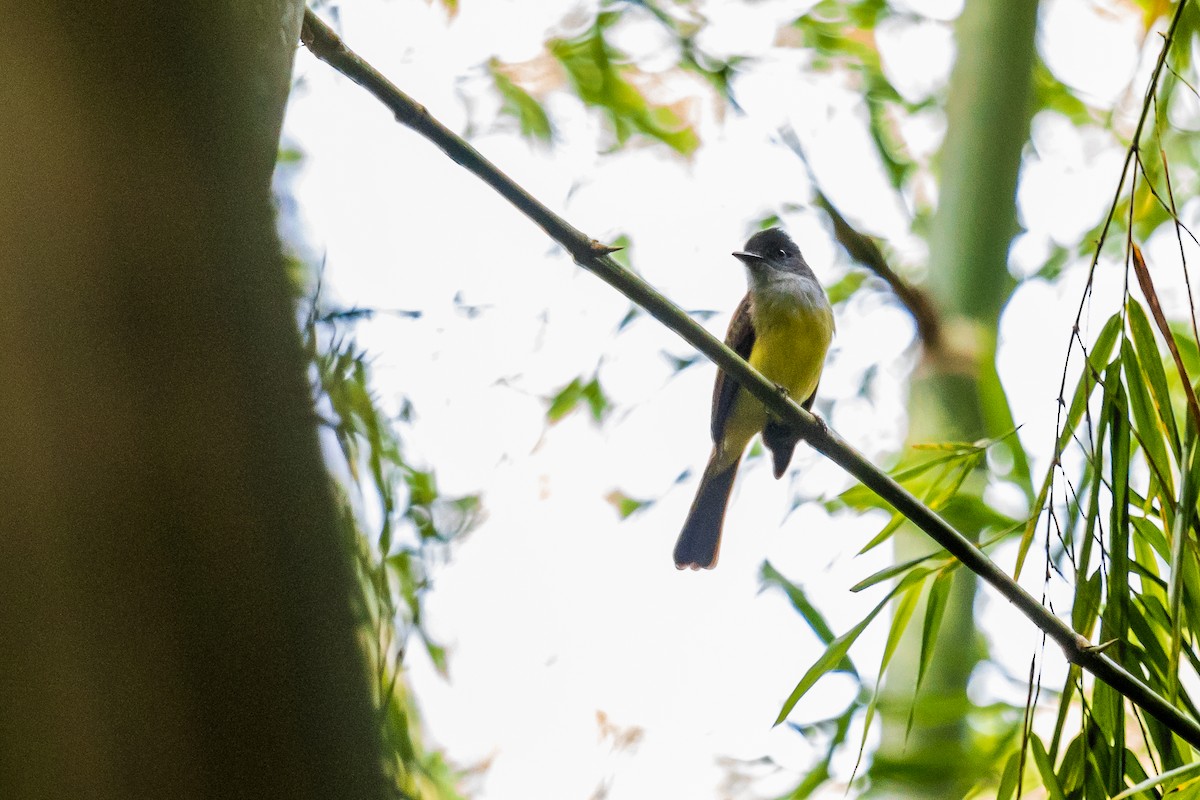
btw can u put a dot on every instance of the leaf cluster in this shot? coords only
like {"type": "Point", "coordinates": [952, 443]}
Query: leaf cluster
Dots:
{"type": "Point", "coordinates": [395, 546]}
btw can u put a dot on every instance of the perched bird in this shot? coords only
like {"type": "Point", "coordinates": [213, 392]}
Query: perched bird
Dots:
{"type": "Point", "coordinates": [783, 327]}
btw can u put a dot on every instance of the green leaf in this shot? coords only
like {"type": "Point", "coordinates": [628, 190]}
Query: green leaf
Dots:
{"type": "Point", "coordinates": [625, 505]}
{"type": "Point", "coordinates": [1150, 533]}
{"type": "Point", "coordinates": [1146, 422]}
{"type": "Point", "coordinates": [1050, 93]}
{"type": "Point", "coordinates": [1152, 367]}
{"type": "Point", "coordinates": [1087, 604]}
{"type": "Point", "coordinates": [769, 576]}
{"type": "Point", "coordinates": [968, 511]}
{"type": "Point", "coordinates": [837, 650]}
{"type": "Point", "coordinates": [1008, 779]}
{"type": "Point", "coordinates": [565, 401]}
{"type": "Point", "coordinates": [437, 654]}
{"type": "Point", "coordinates": [601, 80]}
{"type": "Point", "coordinates": [521, 106]}
{"type": "Point", "coordinates": [1170, 776]}
{"type": "Point", "coordinates": [935, 609]}
{"type": "Point", "coordinates": [841, 290]}
{"type": "Point", "coordinates": [948, 484]}
{"type": "Point", "coordinates": [893, 570]}
{"type": "Point", "coordinates": [1074, 768]}
{"type": "Point", "coordinates": [1045, 769]}
{"type": "Point", "coordinates": [832, 656]}
{"type": "Point", "coordinates": [568, 398]}
{"type": "Point", "coordinates": [900, 619]}
{"type": "Point", "coordinates": [859, 497]}
{"type": "Point", "coordinates": [1181, 560]}
{"type": "Point", "coordinates": [422, 487]}
{"type": "Point", "coordinates": [596, 399]}
{"type": "Point", "coordinates": [885, 533]}
{"type": "Point", "coordinates": [901, 616]}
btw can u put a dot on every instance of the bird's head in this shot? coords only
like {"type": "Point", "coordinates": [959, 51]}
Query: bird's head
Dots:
{"type": "Point", "coordinates": [772, 249]}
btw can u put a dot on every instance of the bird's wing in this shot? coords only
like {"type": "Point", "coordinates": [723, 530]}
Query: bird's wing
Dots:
{"type": "Point", "coordinates": [740, 339]}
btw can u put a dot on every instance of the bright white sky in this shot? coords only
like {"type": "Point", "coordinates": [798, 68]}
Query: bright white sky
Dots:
{"type": "Point", "coordinates": [555, 610]}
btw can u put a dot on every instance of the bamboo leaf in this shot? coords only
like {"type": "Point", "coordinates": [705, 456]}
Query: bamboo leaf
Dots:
{"type": "Point", "coordinates": [1087, 604]}
{"type": "Point", "coordinates": [1151, 360]}
{"type": "Point", "coordinates": [893, 570]}
{"type": "Point", "coordinates": [1045, 769]}
{"type": "Point", "coordinates": [860, 497]}
{"type": "Point", "coordinates": [940, 493]}
{"type": "Point", "coordinates": [838, 649]}
{"type": "Point", "coordinates": [1151, 534]}
{"type": "Point", "coordinates": [1073, 770]}
{"type": "Point", "coordinates": [769, 576]}
{"type": "Point", "coordinates": [1146, 422]}
{"type": "Point", "coordinates": [884, 534]}
{"type": "Point", "coordinates": [900, 619]}
{"type": "Point", "coordinates": [1171, 775]}
{"type": "Point", "coordinates": [935, 609]}
{"type": "Point", "coordinates": [1184, 513]}
{"type": "Point", "coordinates": [1008, 779]}
{"type": "Point", "coordinates": [1119, 524]}
{"type": "Point", "coordinates": [833, 655]}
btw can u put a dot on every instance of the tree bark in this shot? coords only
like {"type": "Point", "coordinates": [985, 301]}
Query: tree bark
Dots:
{"type": "Point", "coordinates": [176, 603]}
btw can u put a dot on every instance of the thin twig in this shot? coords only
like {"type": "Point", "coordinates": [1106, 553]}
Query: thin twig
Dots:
{"type": "Point", "coordinates": [591, 255]}
{"type": "Point", "coordinates": [1134, 148]}
{"type": "Point", "coordinates": [863, 249]}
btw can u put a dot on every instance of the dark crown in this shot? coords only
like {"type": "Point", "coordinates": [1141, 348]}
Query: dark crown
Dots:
{"type": "Point", "coordinates": [770, 242]}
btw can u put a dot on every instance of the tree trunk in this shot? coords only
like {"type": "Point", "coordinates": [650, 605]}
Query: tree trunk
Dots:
{"type": "Point", "coordinates": [176, 611]}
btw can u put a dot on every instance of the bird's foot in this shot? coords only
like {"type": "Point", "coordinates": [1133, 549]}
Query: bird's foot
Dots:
{"type": "Point", "coordinates": [822, 427]}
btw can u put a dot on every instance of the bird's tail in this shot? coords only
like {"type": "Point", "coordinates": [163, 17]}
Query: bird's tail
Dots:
{"type": "Point", "coordinates": [700, 538]}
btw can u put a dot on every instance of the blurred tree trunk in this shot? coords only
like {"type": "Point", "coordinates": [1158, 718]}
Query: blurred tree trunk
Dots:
{"type": "Point", "coordinates": [988, 125]}
{"type": "Point", "coordinates": [176, 604]}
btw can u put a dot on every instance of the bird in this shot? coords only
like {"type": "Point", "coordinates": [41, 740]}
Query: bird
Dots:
{"type": "Point", "coordinates": [783, 327]}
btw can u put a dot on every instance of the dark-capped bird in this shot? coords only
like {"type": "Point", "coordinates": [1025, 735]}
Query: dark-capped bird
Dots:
{"type": "Point", "coordinates": [783, 327]}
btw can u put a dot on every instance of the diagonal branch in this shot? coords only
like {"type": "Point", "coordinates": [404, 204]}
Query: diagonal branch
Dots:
{"type": "Point", "coordinates": [593, 256]}
{"type": "Point", "coordinates": [863, 249]}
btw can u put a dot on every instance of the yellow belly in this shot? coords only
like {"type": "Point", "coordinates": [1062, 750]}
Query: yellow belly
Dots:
{"type": "Point", "coordinates": [789, 352]}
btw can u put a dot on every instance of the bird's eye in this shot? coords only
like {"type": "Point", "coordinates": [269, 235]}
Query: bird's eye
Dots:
{"type": "Point", "coordinates": [782, 252]}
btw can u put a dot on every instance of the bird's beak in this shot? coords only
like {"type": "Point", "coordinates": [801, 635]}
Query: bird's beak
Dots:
{"type": "Point", "coordinates": [749, 259]}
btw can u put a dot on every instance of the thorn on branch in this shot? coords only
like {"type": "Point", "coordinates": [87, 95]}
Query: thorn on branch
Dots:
{"type": "Point", "coordinates": [1099, 648]}
{"type": "Point", "coordinates": [1076, 648]}
{"type": "Point", "coordinates": [601, 249]}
